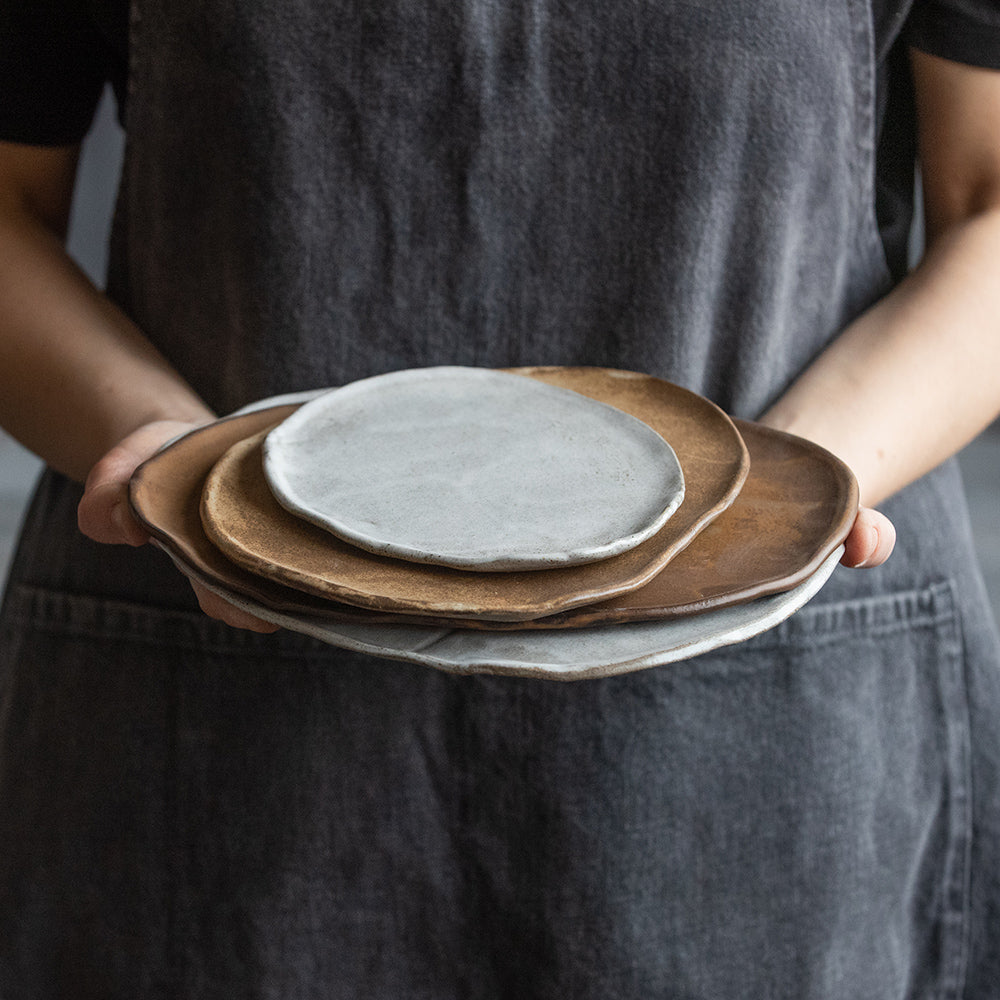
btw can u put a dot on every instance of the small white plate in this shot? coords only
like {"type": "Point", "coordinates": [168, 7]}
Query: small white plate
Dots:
{"type": "Point", "coordinates": [474, 469]}
{"type": "Point", "coordinates": [554, 655]}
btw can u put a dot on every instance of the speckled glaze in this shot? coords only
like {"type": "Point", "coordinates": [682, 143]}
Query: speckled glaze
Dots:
{"type": "Point", "coordinates": [242, 517]}
{"type": "Point", "coordinates": [475, 469]}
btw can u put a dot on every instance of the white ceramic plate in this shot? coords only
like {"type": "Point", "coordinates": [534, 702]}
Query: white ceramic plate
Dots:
{"type": "Point", "coordinates": [555, 655]}
{"type": "Point", "coordinates": [474, 469]}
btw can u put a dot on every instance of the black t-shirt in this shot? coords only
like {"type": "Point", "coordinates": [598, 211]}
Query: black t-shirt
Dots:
{"type": "Point", "coordinates": [57, 55]}
{"type": "Point", "coordinates": [55, 58]}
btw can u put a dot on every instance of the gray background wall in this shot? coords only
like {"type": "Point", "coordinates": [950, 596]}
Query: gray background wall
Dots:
{"type": "Point", "coordinates": [87, 242]}
{"type": "Point", "coordinates": [95, 191]}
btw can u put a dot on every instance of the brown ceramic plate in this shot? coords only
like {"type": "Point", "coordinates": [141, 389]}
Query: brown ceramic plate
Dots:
{"type": "Point", "coordinates": [242, 518]}
{"type": "Point", "coordinates": [165, 492]}
{"type": "Point", "coordinates": [795, 508]}
{"type": "Point", "coordinates": [796, 505]}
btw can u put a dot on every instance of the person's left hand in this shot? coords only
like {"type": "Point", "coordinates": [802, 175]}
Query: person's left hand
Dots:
{"type": "Point", "coordinates": [870, 541]}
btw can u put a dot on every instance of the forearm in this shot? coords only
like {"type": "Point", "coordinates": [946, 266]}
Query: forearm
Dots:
{"type": "Point", "coordinates": [916, 377]}
{"type": "Point", "coordinates": [76, 376]}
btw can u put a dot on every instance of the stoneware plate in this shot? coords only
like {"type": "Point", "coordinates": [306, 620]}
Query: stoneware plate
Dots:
{"type": "Point", "coordinates": [165, 493]}
{"type": "Point", "coordinates": [474, 469]}
{"type": "Point", "coordinates": [553, 655]}
{"type": "Point", "coordinates": [796, 507]}
{"type": "Point", "coordinates": [242, 518]}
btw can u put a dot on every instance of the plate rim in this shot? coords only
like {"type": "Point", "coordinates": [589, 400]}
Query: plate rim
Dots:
{"type": "Point", "coordinates": [285, 491]}
{"type": "Point", "coordinates": [743, 622]}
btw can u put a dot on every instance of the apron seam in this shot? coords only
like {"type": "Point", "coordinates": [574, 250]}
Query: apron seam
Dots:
{"type": "Point", "coordinates": [957, 888]}
{"type": "Point", "coordinates": [181, 629]}
{"type": "Point", "coordinates": [875, 616]}
{"type": "Point", "coordinates": [821, 638]}
{"type": "Point", "coordinates": [862, 29]}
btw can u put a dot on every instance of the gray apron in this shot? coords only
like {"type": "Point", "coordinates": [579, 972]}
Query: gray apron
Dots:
{"type": "Point", "coordinates": [317, 192]}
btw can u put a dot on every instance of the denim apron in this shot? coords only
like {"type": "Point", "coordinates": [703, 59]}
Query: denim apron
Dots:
{"type": "Point", "coordinates": [318, 192]}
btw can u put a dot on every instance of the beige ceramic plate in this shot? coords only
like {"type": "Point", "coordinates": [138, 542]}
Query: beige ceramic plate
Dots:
{"type": "Point", "coordinates": [475, 469]}
{"type": "Point", "coordinates": [241, 517]}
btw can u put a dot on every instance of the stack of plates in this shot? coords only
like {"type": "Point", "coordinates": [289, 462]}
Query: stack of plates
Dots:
{"type": "Point", "coordinates": [555, 522]}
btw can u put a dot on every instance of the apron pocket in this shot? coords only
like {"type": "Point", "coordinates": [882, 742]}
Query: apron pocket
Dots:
{"type": "Point", "coordinates": [843, 861]}
{"type": "Point", "coordinates": [787, 818]}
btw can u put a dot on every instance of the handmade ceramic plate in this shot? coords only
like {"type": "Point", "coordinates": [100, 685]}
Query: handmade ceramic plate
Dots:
{"type": "Point", "coordinates": [474, 469]}
{"type": "Point", "coordinates": [165, 492]}
{"type": "Point", "coordinates": [554, 655]}
{"type": "Point", "coordinates": [796, 507]}
{"type": "Point", "coordinates": [244, 520]}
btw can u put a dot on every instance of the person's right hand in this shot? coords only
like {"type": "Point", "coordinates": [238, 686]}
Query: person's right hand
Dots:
{"type": "Point", "coordinates": [105, 516]}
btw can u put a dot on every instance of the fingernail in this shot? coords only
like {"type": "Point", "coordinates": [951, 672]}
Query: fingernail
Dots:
{"type": "Point", "coordinates": [872, 533]}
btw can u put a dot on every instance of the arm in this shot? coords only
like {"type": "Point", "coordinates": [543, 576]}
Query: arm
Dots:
{"type": "Point", "coordinates": [64, 348]}
{"type": "Point", "coordinates": [79, 383]}
{"type": "Point", "coordinates": [915, 378]}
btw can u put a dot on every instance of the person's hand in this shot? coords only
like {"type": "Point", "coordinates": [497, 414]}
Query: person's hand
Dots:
{"type": "Point", "coordinates": [870, 541]}
{"type": "Point", "coordinates": [105, 516]}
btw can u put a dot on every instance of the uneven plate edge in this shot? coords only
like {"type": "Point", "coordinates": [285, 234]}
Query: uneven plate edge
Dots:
{"type": "Point", "coordinates": [280, 487]}
{"type": "Point", "coordinates": [849, 502]}
{"type": "Point", "coordinates": [139, 480]}
{"type": "Point", "coordinates": [169, 544]}
{"type": "Point", "coordinates": [539, 371]}
{"type": "Point", "coordinates": [785, 605]}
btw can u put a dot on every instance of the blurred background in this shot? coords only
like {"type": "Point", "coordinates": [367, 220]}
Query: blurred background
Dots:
{"type": "Point", "coordinates": [87, 243]}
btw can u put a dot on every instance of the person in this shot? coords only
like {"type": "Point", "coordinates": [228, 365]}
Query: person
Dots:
{"type": "Point", "coordinates": [716, 194]}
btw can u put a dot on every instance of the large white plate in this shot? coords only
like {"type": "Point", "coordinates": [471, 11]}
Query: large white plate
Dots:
{"type": "Point", "coordinates": [559, 654]}
{"type": "Point", "coordinates": [474, 469]}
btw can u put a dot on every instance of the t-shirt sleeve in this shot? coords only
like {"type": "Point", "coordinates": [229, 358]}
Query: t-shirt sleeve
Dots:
{"type": "Point", "coordinates": [966, 31]}
{"type": "Point", "coordinates": [53, 67]}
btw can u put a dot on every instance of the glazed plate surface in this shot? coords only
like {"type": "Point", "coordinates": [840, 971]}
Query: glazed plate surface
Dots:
{"type": "Point", "coordinates": [474, 469]}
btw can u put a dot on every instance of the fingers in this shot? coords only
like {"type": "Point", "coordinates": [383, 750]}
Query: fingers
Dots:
{"type": "Point", "coordinates": [104, 513]}
{"type": "Point", "coordinates": [870, 541]}
{"type": "Point", "coordinates": [215, 607]}
{"type": "Point", "coordinates": [105, 516]}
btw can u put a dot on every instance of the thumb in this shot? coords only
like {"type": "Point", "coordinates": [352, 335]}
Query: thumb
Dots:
{"type": "Point", "coordinates": [104, 513]}
{"type": "Point", "coordinates": [870, 541]}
